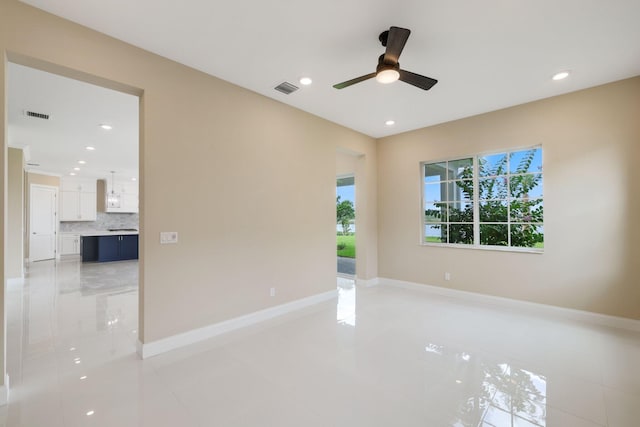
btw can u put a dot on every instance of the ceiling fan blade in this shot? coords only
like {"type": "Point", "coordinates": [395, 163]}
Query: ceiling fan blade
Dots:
{"type": "Point", "coordinates": [417, 80]}
{"type": "Point", "coordinates": [354, 81]}
{"type": "Point", "coordinates": [396, 40]}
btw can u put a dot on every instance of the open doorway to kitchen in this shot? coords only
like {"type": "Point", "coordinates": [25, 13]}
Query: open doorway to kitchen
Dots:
{"type": "Point", "coordinates": [346, 225]}
{"type": "Point", "coordinates": [75, 133]}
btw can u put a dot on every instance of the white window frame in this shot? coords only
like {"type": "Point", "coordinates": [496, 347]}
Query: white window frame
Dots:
{"type": "Point", "coordinates": [476, 203]}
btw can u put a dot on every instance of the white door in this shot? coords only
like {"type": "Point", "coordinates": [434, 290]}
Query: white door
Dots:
{"type": "Point", "coordinates": [43, 207]}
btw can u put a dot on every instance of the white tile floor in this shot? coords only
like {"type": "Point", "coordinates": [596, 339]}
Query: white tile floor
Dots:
{"type": "Point", "coordinates": [380, 357]}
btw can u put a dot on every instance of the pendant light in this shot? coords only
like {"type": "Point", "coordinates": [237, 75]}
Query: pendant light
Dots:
{"type": "Point", "coordinates": [113, 199]}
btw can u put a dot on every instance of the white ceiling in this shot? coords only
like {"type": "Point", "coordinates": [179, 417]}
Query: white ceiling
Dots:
{"type": "Point", "coordinates": [76, 111]}
{"type": "Point", "coordinates": [487, 55]}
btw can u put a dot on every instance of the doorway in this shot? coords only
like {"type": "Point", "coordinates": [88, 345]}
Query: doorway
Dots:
{"type": "Point", "coordinates": [74, 135]}
{"type": "Point", "coordinates": [346, 225]}
{"type": "Point", "coordinates": [43, 212]}
{"type": "Point", "coordinates": [71, 130]}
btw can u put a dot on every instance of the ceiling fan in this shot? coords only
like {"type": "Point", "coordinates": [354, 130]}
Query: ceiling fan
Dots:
{"type": "Point", "coordinates": [388, 69]}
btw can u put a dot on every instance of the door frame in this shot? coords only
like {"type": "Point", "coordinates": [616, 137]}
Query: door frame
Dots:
{"type": "Point", "coordinates": [56, 252]}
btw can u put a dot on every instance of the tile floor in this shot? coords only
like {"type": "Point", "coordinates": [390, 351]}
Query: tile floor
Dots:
{"type": "Point", "coordinates": [379, 357]}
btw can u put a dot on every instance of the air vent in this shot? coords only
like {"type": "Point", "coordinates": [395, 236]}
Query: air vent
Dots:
{"type": "Point", "coordinates": [36, 115]}
{"type": "Point", "coordinates": [286, 88]}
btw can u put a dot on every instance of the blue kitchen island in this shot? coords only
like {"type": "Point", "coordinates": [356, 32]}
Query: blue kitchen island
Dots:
{"type": "Point", "coordinates": [104, 246]}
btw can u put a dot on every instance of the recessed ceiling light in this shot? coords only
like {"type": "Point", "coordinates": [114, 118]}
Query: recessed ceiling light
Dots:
{"type": "Point", "coordinates": [76, 169]}
{"type": "Point", "coordinates": [134, 179]}
{"type": "Point", "coordinates": [90, 148]}
{"type": "Point", "coordinates": [72, 173]}
{"type": "Point", "coordinates": [82, 162]}
{"type": "Point", "coordinates": [106, 126]}
{"type": "Point", "coordinates": [561, 75]}
{"type": "Point", "coordinates": [306, 81]}
{"type": "Point", "coordinates": [390, 122]}
{"type": "Point", "coordinates": [90, 413]}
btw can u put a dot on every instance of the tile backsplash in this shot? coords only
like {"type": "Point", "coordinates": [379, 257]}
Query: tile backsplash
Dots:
{"type": "Point", "coordinates": [104, 221]}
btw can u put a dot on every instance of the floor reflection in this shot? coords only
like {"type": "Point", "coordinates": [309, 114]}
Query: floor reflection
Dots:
{"type": "Point", "coordinates": [346, 309]}
{"type": "Point", "coordinates": [63, 304]}
{"type": "Point", "coordinates": [491, 393]}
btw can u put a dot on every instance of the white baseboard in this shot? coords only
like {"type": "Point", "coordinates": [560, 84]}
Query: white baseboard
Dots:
{"type": "Point", "coordinates": [146, 350]}
{"type": "Point", "coordinates": [523, 306]}
{"type": "Point", "coordinates": [4, 391]}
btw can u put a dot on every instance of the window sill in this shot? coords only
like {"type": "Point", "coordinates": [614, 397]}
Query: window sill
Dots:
{"type": "Point", "coordinates": [486, 248]}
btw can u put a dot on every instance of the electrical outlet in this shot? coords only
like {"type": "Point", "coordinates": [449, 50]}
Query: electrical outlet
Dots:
{"type": "Point", "coordinates": [272, 292]}
{"type": "Point", "coordinates": [168, 237]}
{"type": "Point", "coordinates": [447, 276]}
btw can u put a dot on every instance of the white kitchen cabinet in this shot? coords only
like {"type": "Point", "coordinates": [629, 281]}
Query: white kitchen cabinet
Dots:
{"type": "Point", "coordinates": [122, 197]}
{"type": "Point", "coordinates": [69, 244]}
{"type": "Point", "coordinates": [86, 185]}
{"type": "Point", "coordinates": [78, 199]}
{"type": "Point", "coordinates": [88, 206]}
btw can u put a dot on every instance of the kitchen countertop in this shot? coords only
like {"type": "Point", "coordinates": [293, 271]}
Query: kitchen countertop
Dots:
{"type": "Point", "coordinates": [89, 233]}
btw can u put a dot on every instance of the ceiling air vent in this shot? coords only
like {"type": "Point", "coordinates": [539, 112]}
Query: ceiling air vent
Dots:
{"type": "Point", "coordinates": [286, 88]}
{"type": "Point", "coordinates": [36, 115]}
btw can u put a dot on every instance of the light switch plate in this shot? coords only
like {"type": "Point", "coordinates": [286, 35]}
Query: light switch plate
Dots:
{"type": "Point", "coordinates": [168, 237]}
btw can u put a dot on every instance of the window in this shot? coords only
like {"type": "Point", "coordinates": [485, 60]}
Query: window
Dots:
{"type": "Point", "coordinates": [487, 200]}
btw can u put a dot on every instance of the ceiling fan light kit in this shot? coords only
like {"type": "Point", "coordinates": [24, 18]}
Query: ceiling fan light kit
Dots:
{"type": "Point", "coordinates": [387, 75]}
{"type": "Point", "coordinates": [388, 69]}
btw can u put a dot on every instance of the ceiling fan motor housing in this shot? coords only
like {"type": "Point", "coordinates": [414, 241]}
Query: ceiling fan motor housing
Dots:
{"type": "Point", "coordinates": [383, 37]}
{"type": "Point", "coordinates": [382, 65]}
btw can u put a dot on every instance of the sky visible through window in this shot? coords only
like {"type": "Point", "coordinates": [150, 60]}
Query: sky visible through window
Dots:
{"type": "Point", "coordinates": [510, 199]}
{"type": "Point", "coordinates": [347, 192]}
{"type": "Point", "coordinates": [346, 189]}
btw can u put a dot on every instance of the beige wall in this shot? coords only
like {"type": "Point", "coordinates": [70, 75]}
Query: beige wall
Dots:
{"type": "Point", "coordinates": [34, 178]}
{"type": "Point", "coordinates": [101, 199]}
{"type": "Point", "coordinates": [247, 182]}
{"type": "Point", "coordinates": [591, 147]}
{"type": "Point", "coordinates": [346, 163]}
{"type": "Point", "coordinates": [3, 209]}
{"type": "Point", "coordinates": [15, 213]}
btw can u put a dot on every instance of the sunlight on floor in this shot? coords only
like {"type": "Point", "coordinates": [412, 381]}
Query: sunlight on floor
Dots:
{"type": "Point", "coordinates": [346, 310]}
